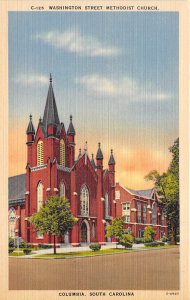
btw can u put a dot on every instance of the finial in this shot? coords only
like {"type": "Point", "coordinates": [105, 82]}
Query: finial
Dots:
{"type": "Point", "coordinates": [40, 120]}
{"type": "Point", "coordinates": [99, 144]}
{"type": "Point", "coordinates": [71, 118]}
{"type": "Point", "coordinates": [80, 151]}
{"type": "Point", "coordinates": [85, 146]}
{"type": "Point", "coordinates": [92, 156]}
{"type": "Point", "coordinates": [111, 151]}
{"type": "Point", "coordinates": [50, 78]}
{"type": "Point", "coordinates": [30, 117]}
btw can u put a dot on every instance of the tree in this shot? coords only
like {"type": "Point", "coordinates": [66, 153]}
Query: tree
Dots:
{"type": "Point", "coordinates": [149, 233]}
{"type": "Point", "coordinates": [54, 217]}
{"type": "Point", "coordinates": [167, 186]}
{"type": "Point", "coordinates": [116, 229]}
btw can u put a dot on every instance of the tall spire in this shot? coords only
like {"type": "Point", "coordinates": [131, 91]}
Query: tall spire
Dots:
{"type": "Point", "coordinates": [30, 128]}
{"type": "Point", "coordinates": [111, 160]}
{"type": "Point", "coordinates": [50, 112]}
{"type": "Point", "coordinates": [71, 130]}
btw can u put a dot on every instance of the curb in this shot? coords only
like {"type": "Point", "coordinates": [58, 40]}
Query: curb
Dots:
{"type": "Point", "coordinates": [129, 251]}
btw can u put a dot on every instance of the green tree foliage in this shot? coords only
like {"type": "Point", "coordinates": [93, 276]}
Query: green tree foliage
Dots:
{"type": "Point", "coordinates": [167, 186]}
{"type": "Point", "coordinates": [149, 233]}
{"type": "Point", "coordinates": [54, 217]}
{"type": "Point", "coordinates": [116, 229]}
{"type": "Point", "coordinates": [126, 240]}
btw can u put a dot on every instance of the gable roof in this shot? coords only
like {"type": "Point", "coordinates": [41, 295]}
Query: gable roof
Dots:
{"type": "Point", "coordinates": [17, 189]}
{"type": "Point", "coordinates": [142, 193]}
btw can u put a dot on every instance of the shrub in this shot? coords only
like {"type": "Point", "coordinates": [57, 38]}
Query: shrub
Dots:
{"type": "Point", "coordinates": [142, 240]}
{"type": "Point", "coordinates": [126, 245]}
{"type": "Point", "coordinates": [154, 244]}
{"type": "Point", "coordinates": [44, 246]}
{"type": "Point", "coordinates": [139, 240]}
{"type": "Point", "coordinates": [11, 243]}
{"type": "Point", "coordinates": [178, 238]}
{"type": "Point", "coordinates": [27, 251]}
{"type": "Point", "coordinates": [146, 240]}
{"type": "Point", "coordinates": [28, 246]}
{"type": "Point", "coordinates": [11, 250]}
{"type": "Point", "coordinates": [164, 239]}
{"type": "Point", "coordinates": [22, 245]}
{"type": "Point", "coordinates": [126, 240]}
{"type": "Point", "coordinates": [149, 232]}
{"type": "Point", "coordinates": [95, 246]}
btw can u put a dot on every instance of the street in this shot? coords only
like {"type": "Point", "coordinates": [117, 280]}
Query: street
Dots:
{"type": "Point", "coordinates": [145, 270]}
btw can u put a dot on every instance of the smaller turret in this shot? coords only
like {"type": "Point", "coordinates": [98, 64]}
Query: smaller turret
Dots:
{"type": "Point", "coordinates": [99, 157]}
{"type": "Point", "coordinates": [30, 131]}
{"type": "Point", "coordinates": [71, 130]}
{"type": "Point", "coordinates": [71, 138]}
{"type": "Point", "coordinates": [111, 162]}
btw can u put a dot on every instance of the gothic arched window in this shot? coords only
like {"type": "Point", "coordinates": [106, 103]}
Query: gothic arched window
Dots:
{"type": "Point", "coordinates": [39, 195]}
{"type": "Point", "coordinates": [62, 189]}
{"type": "Point", "coordinates": [62, 152]}
{"type": "Point", "coordinates": [40, 153]}
{"type": "Point", "coordinates": [154, 213]}
{"type": "Point", "coordinates": [106, 205]}
{"type": "Point", "coordinates": [162, 218]}
{"type": "Point", "coordinates": [84, 201]}
{"type": "Point", "coordinates": [12, 222]}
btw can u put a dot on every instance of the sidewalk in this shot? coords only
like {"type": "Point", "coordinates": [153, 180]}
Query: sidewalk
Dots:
{"type": "Point", "coordinates": [84, 247]}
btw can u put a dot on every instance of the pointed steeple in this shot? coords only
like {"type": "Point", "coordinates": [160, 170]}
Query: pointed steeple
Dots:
{"type": "Point", "coordinates": [93, 162]}
{"type": "Point", "coordinates": [30, 128]}
{"type": "Point", "coordinates": [99, 155]}
{"type": "Point", "coordinates": [50, 112]}
{"type": "Point", "coordinates": [111, 160]}
{"type": "Point", "coordinates": [71, 130]}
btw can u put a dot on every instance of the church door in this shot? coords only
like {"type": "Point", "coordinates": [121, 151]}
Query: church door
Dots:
{"type": "Point", "coordinates": [83, 233]}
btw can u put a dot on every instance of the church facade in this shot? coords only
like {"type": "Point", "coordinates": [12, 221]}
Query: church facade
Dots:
{"type": "Point", "coordinates": [52, 169]}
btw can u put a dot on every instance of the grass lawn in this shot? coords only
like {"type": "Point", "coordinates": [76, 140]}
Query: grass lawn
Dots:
{"type": "Point", "coordinates": [158, 247]}
{"type": "Point", "coordinates": [84, 253]}
{"type": "Point", "coordinates": [18, 253]}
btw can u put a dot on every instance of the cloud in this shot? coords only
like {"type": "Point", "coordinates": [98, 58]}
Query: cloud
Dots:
{"type": "Point", "coordinates": [75, 42]}
{"type": "Point", "coordinates": [123, 87]}
{"type": "Point", "coordinates": [32, 79]}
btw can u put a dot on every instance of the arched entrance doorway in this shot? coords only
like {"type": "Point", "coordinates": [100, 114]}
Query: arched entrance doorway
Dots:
{"type": "Point", "coordinates": [85, 232]}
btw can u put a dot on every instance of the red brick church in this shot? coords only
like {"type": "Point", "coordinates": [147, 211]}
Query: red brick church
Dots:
{"type": "Point", "coordinates": [52, 169]}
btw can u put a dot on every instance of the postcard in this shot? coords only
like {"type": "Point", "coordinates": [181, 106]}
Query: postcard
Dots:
{"type": "Point", "coordinates": [94, 126]}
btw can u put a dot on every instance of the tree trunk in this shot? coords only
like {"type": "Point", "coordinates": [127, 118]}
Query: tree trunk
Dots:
{"type": "Point", "coordinates": [54, 244]}
{"type": "Point", "coordinates": [172, 235]}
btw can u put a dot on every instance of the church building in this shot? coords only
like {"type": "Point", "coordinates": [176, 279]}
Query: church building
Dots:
{"type": "Point", "coordinates": [52, 169]}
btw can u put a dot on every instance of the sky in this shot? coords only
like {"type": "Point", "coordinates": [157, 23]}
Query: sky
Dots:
{"type": "Point", "coordinates": [115, 72]}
